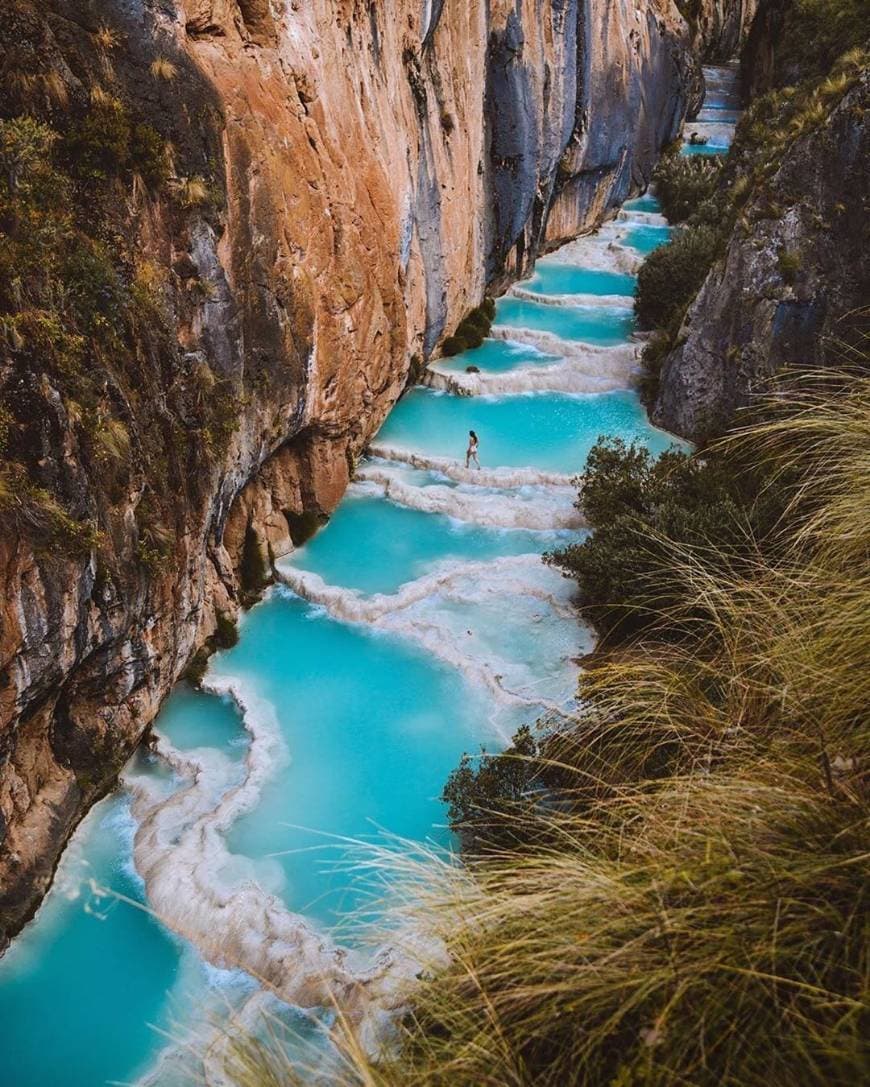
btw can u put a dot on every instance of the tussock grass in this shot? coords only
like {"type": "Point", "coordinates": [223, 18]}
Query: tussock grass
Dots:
{"type": "Point", "coordinates": [193, 191]}
{"type": "Point", "coordinates": [163, 68]}
{"type": "Point", "coordinates": [107, 38]}
{"type": "Point", "coordinates": [689, 902]}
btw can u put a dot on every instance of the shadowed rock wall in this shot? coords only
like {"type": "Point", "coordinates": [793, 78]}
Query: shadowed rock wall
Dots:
{"type": "Point", "coordinates": [791, 286]}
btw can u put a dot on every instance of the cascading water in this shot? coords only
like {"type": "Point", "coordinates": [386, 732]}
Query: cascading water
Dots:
{"type": "Point", "coordinates": [714, 125]}
{"type": "Point", "coordinates": [418, 624]}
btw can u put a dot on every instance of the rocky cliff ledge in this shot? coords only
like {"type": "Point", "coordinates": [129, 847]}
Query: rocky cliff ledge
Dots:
{"type": "Point", "coordinates": [718, 27]}
{"type": "Point", "coordinates": [227, 229]}
{"type": "Point", "coordinates": [792, 285]}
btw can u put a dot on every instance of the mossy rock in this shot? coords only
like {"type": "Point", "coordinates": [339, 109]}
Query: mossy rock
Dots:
{"type": "Point", "coordinates": [302, 526]}
{"type": "Point", "coordinates": [226, 633]}
{"type": "Point", "coordinates": [472, 330]}
{"type": "Point", "coordinates": [253, 572]}
{"type": "Point", "coordinates": [196, 667]}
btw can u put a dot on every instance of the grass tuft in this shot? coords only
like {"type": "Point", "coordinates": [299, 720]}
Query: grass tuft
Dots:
{"type": "Point", "coordinates": [163, 68]}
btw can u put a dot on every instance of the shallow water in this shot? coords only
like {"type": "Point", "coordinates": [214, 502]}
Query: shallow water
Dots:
{"type": "Point", "coordinates": [645, 238]}
{"type": "Point", "coordinates": [498, 357]}
{"type": "Point", "coordinates": [709, 149]}
{"type": "Point", "coordinates": [601, 325]}
{"type": "Point", "coordinates": [375, 546]}
{"type": "Point", "coordinates": [546, 430]}
{"type": "Point", "coordinates": [82, 984]}
{"type": "Point", "coordinates": [646, 203]}
{"type": "Point", "coordinates": [372, 725]}
{"type": "Point", "coordinates": [415, 626]}
{"type": "Point", "coordinates": [553, 277]}
{"type": "Point", "coordinates": [192, 720]}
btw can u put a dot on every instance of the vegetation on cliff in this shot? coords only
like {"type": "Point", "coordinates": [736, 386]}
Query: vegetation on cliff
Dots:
{"type": "Point", "coordinates": [640, 508]}
{"type": "Point", "coordinates": [717, 203]}
{"type": "Point", "coordinates": [94, 403]}
{"type": "Point", "coordinates": [472, 330]}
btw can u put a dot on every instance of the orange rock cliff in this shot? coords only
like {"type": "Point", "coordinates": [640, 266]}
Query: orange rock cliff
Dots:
{"type": "Point", "coordinates": [339, 183]}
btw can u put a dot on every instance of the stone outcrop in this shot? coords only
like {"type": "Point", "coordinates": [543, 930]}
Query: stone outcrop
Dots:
{"type": "Point", "coordinates": [792, 282]}
{"type": "Point", "coordinates": [348, 179]}
{"type": "Point", "coordinates": [719, 27]}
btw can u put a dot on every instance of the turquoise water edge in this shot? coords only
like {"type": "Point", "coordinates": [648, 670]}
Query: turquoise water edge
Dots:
{"type": "Point", "coordinates": [402, 635]}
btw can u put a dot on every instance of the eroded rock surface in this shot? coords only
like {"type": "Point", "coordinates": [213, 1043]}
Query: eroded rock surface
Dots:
{"type": "Point", "coordinates": [719, 27]}
{"type": "Point", "coordinates": [790, 286]}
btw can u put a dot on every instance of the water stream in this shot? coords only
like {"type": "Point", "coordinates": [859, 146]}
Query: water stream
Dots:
{"type": "Point", "coordinates": [419, 623]}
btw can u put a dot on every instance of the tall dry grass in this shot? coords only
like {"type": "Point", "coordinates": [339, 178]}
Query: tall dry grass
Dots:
{"type": "Point", "coordinates": [693, 909]}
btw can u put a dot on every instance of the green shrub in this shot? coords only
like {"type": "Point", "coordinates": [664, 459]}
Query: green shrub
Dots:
{"type": "Point", "coordinates": [469, 336]}
{"type": "Point", "coordinates": [652, 359]}
{"type": "Point", "coordinates": [196, 667]}
{"type": "Point", "coordinates": [478, 321]}
{"type": "Point", "coordinates": [107, 143]}
{"type": "Point", "coordinates": [472, 329]}
{"type": "Point", "coordinates": [671, 276]}
{"type": "Point", "coordinates": [639, 508]}
{"type": "Point", "coordinates": [52, 525]}
{"type": "Point", "coordinates": [482, 802]}
{"type": "Point", "coordinates": [93, 287]}
{"type": "Point", "coordinates": [148, 155]}
{"type": "Point", "coordinates": [99, 147]}
{"type": "Point", "coordinates": [25, 157]}
{"type": "Point", "coordinates": [684, 182]}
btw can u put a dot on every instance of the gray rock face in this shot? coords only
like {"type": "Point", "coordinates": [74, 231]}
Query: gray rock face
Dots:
{"type": "Point", "coordinates": [789, 286]}
{"type": "Point", "coordinates": [720, 26]}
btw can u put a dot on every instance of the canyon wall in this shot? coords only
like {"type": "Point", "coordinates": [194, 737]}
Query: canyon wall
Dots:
{"type": "Point", "coordinates": [719, 27]}
{"type": "Point", "coordinates": [792, 288]}
{"type": "Point", "coordinates": [345, 180]}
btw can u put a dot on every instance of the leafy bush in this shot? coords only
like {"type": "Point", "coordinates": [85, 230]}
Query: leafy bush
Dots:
{"type": "Point", "coordinates": [37, 510]}
{"type": "Point", "coordinates": [25, 156]}
{"type": "Point", "coordinates": [148, 156]}
{"type": "Point", "coordinates": [684, 182]}
{"type": "Point", "coordinates": [196, 668]}
{"type": "Point", "coordinates": [652, 359]}
{"type": "Point", "coordinates": [639, 509]}
{"type": "Point", "coordinates": [472, 330]}
{"type": "Point", "coordinates": [481, 801]}
{"type": "Point", "coordinates": [671, 276]}
{"type": "Point", "coordinates": [95, 292]}
{"type": "Point", "coordinates": [107, 143]}
{"type": "Point", "coordinates": [99, 147]}
{"type": "Point", "coordinates": [452, 346]}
